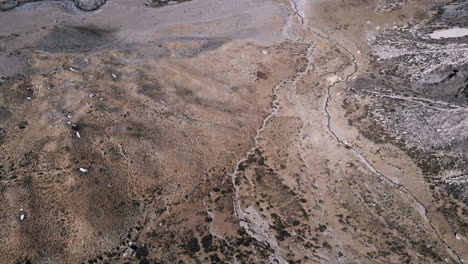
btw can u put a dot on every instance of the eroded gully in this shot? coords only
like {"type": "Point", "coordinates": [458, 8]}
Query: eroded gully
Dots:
{"type": "Point", "coordinates": [249, 218]}
{"type": "Point", "coordinates": [421, 207]}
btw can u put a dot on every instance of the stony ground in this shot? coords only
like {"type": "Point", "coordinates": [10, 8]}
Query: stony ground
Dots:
{"type": "Point", "coordinates": [233, 132]}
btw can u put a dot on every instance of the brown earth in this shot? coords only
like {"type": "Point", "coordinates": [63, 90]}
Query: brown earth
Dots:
{"type": "Point", "coordinates": [220, 132]}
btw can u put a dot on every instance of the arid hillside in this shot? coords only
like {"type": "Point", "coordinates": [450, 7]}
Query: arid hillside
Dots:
{"type": "Point", "coordinates": [215, 131]}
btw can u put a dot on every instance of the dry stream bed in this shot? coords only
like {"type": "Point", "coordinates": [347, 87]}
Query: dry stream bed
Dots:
{"type": "Point", "coordinates": [219, 132]}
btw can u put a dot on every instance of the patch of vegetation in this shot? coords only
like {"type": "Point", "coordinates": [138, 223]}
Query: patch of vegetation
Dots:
{"type": "Point", "coordinates": [192, 245]}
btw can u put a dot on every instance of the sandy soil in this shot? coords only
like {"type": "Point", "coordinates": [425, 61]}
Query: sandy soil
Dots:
{"type": "Point", "coordinates": [233, 132]}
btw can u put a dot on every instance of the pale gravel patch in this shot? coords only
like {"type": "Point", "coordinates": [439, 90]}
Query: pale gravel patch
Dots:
{"type": "Point", "coordinates": [455, 32]}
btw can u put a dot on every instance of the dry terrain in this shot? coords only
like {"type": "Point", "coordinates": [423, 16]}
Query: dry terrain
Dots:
{"type": "Point", "coordinates": [248, 131]}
